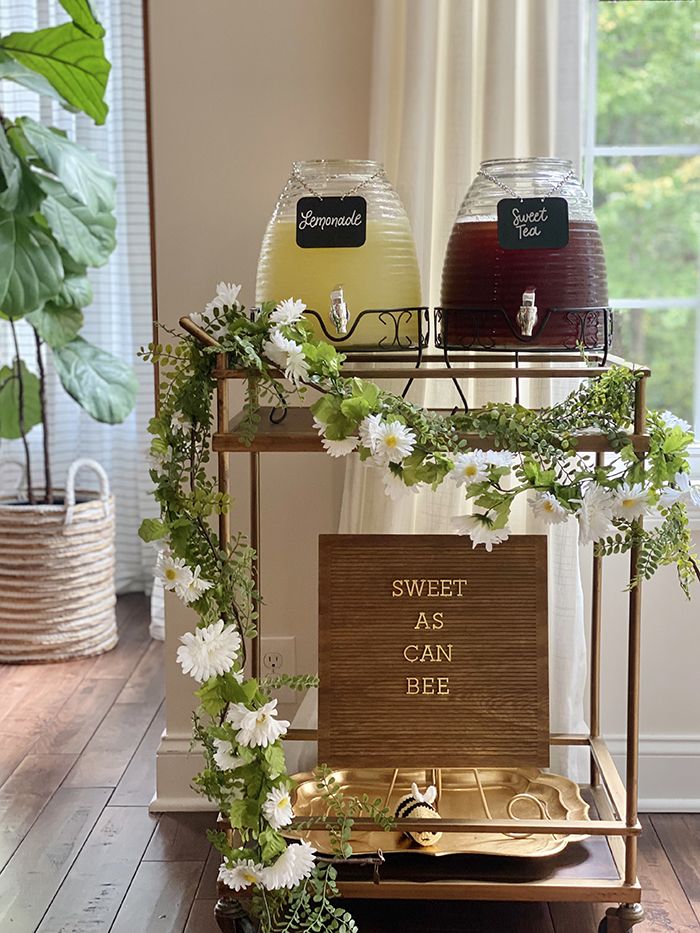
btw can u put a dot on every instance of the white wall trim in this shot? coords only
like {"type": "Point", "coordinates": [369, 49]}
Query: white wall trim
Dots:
{"type": "Point", "coordinates": [669, 771]}
{"type": "Point", "coordinates": [177, 763]}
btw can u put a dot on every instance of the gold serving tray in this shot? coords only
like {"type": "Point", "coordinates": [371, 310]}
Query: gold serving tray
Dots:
{"type": "Point", "coordinates": [460, 799]}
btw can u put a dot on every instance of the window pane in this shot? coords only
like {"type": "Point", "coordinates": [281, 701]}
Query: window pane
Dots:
{"type": "Point", "coordinates": [648, 209]}
{"type": "Point", "coordinates": [665, 341]}
{"type": "Point", "coordinates": [648, 72]}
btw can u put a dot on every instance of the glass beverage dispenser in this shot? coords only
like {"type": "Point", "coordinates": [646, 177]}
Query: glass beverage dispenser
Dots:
{"type": "Point", "coordinates": [500, 287]}
{"type": "Point", "coordinates": [339, 239]}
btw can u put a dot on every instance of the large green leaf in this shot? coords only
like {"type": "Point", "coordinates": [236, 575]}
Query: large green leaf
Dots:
{"type": "Point", "coordinates": [9, 400]}
{"type": "Point", "coordinates": [70, 59]}
{"type": "Point", "coordinates": [30, 266]}
{"type": "Point", "coordinates": [101, 384]}
{"type": "Point", "coordinates": [81, 14]}
{"type": "Point", "coordinates": [30, 194]}
{"type": "Point", "coordinates": [86, 236]}
{"type": "Point", "coordinates": [10, 174]}
{"type": "Point", "coordinates": [75, 291]}
{"type": "Point", "coordinates": [20, 74]}
{"type": "Point", "coordinates": [56, 325]}
{"type": "Point", "coordinates": [76, 168]}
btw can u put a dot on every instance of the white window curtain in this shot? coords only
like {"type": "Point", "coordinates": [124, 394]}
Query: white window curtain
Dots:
{"type": "Point", "coordinates": [456, 82]}
{"type": "Point", "coordinates": [119, 320]}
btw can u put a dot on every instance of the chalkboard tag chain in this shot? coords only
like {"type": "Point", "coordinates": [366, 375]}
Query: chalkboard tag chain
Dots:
{"type": "Point", "coordinates": [514, 194]}
{"type": "Point", "coordinates": [296, 175]}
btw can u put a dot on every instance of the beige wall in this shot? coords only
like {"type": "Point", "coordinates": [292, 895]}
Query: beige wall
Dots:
{"type": "Point", "coordinates": [239, 90]}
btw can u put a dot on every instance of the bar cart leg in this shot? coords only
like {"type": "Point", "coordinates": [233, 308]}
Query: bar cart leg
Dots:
{"type": "Point", "coordinates": [232, 917]}
{"type": "Point", "coordinates": [596, 617]}
{"type": "Point", "coordinates": [621, 919]}
{"type": "Point", "coordinates": [256, 646]}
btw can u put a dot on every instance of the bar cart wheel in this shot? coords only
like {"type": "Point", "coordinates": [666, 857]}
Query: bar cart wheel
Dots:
{"type": "Point", "coordinates": [232, 917]}
{"type": "Point", "coordinates": [621, 919]}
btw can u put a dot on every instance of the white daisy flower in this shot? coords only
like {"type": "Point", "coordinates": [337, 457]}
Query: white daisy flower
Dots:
{"type": "Point", "coordinates": [294, 865]}
{"type": "Point", "coordinates": [277, 347]}
{"type": "Point", "coordinates": [499, 458]}
{"type": "Point", "coordinates": [393, 442]}
{"type": "Point", "coordinates": [243, 874]}
{"type": "Point", "coordinates": [469, 468]}
{"type": "Point", "coordinates": [156, 459]}
{"type": "Point", "coordinates": [256, 727]}
{"type": "Point", "coordinates": [479, 529]}
{"type": "Point", "coordinates": [296, 369]}
{"type": "Point", "coordinates": [224, 756]}
{"type": "Point", "coordinates": [180, 423]}
{"type": "Point", "coordinates": [277, 808]}
{"type": "Point", "coordinates": [368, 430]}
{"type": "Point", "coordinates": [190, 591]}
{"type": "Point", "coordinates": [209, 651]}
{"type": "Point", "coordinates": [685, 492]}
{"type": "Point", "coordinates": [547, 507]}
{"type": "Point", "coordinates": [288, 311]}
{"type": "Point", "coordinates": [673, 421]}
{"type": "Point", "coordinates": [595, 514]}
{"type": "Point", "coordinates": [226, 297]}
{"type": "Point", "coordinates": [320, 425]}
{"type": "Point", "coordinates": [340, 448]}
{"type": "Point", "coordinates": [196, 318]}
{"type": "Point", "coordinates": [173, 572]}
{"type": "Point", "coordinates": [396, 489]}
{"type": "Point", "coordinates": [631, 502]}
{"type": "Point", "coordinates": [287, 354]}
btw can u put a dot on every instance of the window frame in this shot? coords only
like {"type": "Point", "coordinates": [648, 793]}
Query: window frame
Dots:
{"type": "Point", "coordinates": [591, 150]}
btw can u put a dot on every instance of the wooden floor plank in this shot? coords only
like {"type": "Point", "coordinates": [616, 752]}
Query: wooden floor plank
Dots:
{"type": "Point", "coordinates": [134, 639]}
{"type": "Point", "coordinates": [138, 783]}
{"type": "Point", "coordinates": [80, 716]}
{"type": "Point", "coordinates": [40, 864]}
{"type": "Point", "coordinates": [91, 895]}
{"type": "Point", "coordinates": [160, 898]}
{"type": "Point", "coordinates": [25, 794]}
{"type": "Point", "coordinates": [181, 837]}
{"type": "Point", "coordinates": [667, 907]}
{"type": "Point", "coordinates": [679, 834]}
{"type": "Point", "coordinates": [147, 683]}
{"type": "Point", "coordinates": [201, 918]}
{"type": "Point", "coordinates": [207, 883]}
{"type": "Point", "coordinates": [108, 753]}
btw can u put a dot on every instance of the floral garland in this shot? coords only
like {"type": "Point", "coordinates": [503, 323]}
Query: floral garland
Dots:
{"type": "Point", "coordinates": [237, 724]}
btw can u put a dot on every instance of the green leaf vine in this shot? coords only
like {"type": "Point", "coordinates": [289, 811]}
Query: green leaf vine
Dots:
{"type": "Point", "coordinates": [531, 452]}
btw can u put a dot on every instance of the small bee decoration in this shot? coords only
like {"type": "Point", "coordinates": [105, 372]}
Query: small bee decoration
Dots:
{"type": "Point", "coordinates": [421, 806]}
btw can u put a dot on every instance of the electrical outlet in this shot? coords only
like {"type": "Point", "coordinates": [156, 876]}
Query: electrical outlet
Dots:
{"type": "Point", "coordinates": [279, 657]}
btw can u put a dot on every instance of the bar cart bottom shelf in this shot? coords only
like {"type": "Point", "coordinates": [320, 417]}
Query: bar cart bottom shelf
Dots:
{"type": "Point", "coordinates": [565, 877]}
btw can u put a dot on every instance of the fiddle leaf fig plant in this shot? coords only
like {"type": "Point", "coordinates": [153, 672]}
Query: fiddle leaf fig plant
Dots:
{"type": "Point", "coordinates": [56, 222]}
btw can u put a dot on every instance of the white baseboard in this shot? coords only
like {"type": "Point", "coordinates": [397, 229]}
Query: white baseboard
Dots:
{"type": "Point", "coordinates": [669, 771]}
{"type": "Point", "coordinates": [176, 764]}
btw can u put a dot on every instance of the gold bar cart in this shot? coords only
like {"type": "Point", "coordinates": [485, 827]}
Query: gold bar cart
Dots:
{"type": "Point", "coordinates": [617, 826]}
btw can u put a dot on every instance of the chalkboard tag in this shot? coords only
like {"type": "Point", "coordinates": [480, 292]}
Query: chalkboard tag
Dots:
{"type": "Point", "coordinates": [331, 223]}
{"type": "Point", "coordinates": [533, 223]}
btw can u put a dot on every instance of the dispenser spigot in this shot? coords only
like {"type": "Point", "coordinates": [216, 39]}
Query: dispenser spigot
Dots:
{"type": "Point", "coordinates": [527, 314]}
{"type": "Point", "coordinates": [339, 314]}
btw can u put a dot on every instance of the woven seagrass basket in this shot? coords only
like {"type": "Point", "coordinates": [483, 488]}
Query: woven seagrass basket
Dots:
{"type": "Point", "coordinates": [57, 596]}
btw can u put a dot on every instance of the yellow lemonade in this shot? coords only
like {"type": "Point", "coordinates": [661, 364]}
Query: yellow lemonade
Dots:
{"type": "Point", "coordinates": [381, 274]}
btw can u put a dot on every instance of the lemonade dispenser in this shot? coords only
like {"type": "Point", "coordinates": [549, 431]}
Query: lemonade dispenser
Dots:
{"type": "Point", "coordinates": [339, 239]}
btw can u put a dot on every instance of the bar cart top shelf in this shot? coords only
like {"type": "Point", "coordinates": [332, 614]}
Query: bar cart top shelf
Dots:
{"type": "Point", "coordinates": [295, 432]}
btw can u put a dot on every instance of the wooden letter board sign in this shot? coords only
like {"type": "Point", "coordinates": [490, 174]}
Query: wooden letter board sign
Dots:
{"type": "Point", "coordinates": [432, 654]}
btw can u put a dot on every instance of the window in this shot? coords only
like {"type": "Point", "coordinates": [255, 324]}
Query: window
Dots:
{"type": "Point", "coordinates": [642, 163]}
